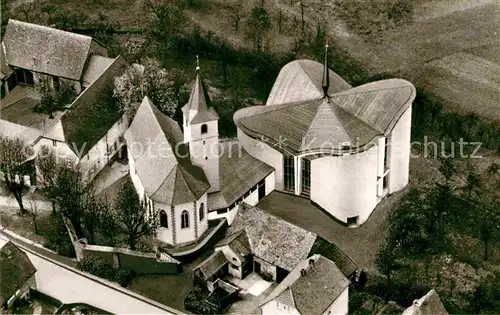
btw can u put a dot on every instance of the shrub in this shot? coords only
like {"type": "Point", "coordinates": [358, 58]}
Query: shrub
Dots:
{"type": "Point", "coordinates": [103, 269]}
{"type": "Point", "coordinates": [56, 235]}
{"type": "Point", "coordinates": [124, 275]}
{"type": "Point", "coordinates": [97, 266]}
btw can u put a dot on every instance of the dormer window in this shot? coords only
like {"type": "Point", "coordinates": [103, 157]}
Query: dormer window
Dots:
{"type": "Point", "coordinates": [204, 128]}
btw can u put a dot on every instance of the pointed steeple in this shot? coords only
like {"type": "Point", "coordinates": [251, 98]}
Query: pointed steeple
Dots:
{"type": "Point", "coordinates": [326, 74]}
{"type": "Point", "coordinates": [197, 110]}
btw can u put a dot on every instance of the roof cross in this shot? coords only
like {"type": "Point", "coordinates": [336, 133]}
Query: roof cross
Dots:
{"type": "Point", "coordinates": [326, 73]}
{"type": "Point", "coordinates": [197, 63]}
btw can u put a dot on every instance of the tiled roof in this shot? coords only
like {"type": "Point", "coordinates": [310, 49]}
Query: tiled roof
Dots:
{"type": "Point", "coordinates": [87, 120]}
{"type": "Point", "coordinates": [161, 159]}
{"type": "Point", "coordinates": [211, 265]}
{"type": "Point", "coordinates": [238, 173]}
{"type": "Point", "coordinates": [335, 254]}
{"type": "Point", "coordinates": [5, 70]}
{"type": "Point", "coordinates": [239, 244]}
{"type": "Point", "coordinates": [300, 80]}
{"type": "Point", "coordinates": [305, 126]}
{"type": "Point", "coordinates": [95, 68]}
{"type": "Point", "coordinates": [271, 238]}
{"type": "Point", "coordinates": [12, 130]}
{"type": "Point", "coordinates": [15, 269]}
{"type": "Point", "coordinates": [46, 50]}
{"type": "Point", "coordinates": [307, 122]}
{"type": "Point", "coordinates": [196, 110]}
{"type": "Point", "coordinates": [313, 292]}
{"type": "Point", "coordinates": [429, 304]}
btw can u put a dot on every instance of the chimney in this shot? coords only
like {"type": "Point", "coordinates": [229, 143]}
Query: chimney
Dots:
{"type": "Point", "coordinates": [302, 272]}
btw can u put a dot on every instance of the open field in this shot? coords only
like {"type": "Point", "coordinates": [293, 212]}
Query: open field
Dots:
{"type": "Point", "coordinates": [464, 83]}
{"type": "Point", "coordinates": [412, 45]}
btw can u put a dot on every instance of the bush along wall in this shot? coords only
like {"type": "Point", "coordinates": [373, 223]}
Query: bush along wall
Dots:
{"type": "Point", "coordinates": [102, 269]}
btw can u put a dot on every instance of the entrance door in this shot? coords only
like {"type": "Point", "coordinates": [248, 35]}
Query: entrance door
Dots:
{"type": "Point", "coordinates": [256, 267]}
{"type": "Point", "coordinates": [262, 189]}
{"type": "Point", "coordinates": [281, 274]}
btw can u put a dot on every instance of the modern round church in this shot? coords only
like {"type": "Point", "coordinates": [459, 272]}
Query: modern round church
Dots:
{"type": "Point", "coordinates": [344, 148]}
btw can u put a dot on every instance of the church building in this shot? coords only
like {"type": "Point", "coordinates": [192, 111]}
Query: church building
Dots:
{"type": "Point", "coordinates": [318, 138]}
{"type": "Point", "coordinates": [343, 148]}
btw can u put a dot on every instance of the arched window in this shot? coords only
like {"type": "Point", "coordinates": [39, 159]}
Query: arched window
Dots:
{"type": "Point", "coordinates": [184, 220]}
{"type": "Point", "coordinates": [201, 212]}
{"type": "Point", "coordinates": [204, 129]}
{"type": "Point", "coordinates": [163, 219]}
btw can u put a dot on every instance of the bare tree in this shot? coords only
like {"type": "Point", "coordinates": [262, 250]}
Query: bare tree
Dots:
{"type": "Point", "coordinates": [34, 211]}
{"type": "Point", "coordinates": [137, 217]}
{"type": "Point", "coordinates": [280, 21]}
{"type": "Point", "coordinates": [236, 13]}
{"type": "Point", "coordinates": [15, 164]}
{"type": "Point", "coordinates": [302, 7]}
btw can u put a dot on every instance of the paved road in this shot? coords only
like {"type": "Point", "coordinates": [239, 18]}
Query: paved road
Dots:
{"type": "Point", "coordinates": [57, 277]}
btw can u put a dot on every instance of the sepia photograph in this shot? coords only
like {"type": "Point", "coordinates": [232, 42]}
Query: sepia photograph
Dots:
{"type": "Point", "coordinates": [250, 157]}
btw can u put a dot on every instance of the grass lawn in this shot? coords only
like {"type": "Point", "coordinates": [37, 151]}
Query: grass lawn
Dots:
{"type": "Point", "coordinates": [170, 290]}
{"type": "Point", "coordinates": [51, 231]}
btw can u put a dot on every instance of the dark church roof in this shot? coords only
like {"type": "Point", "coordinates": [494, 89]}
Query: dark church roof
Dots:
{"type": "Point", "coordinates": [355, 117]}
{"type": "Point", "coordinates": [299, 119]}
{"type": "Point", "coordinates": [238, 173]}
{"type": "Point", "coordinates": [197, 110]}
{"type": "Point", "coordinates": [161, 159]}
{"type": "Point", "coordinates": [46, 50]}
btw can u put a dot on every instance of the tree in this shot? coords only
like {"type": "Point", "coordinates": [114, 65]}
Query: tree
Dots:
{"type": "Point", "coordinates": [236, 13]}
{"type": "Point", "coordinates": [447, 168]}
{"type": "Point", "coordinates": [486, 298]}
{"type": "Point", "coordinates": [34, 211]}
{"type": "Point", "coordinates": [92, 215]}
{"type": "Point", "coordinates": [168, 19]}
{"type": "Point", "coordinates": [15, 163]}
{"type": "Point", "coordinates": [48, 168]}
{"type": "Point", "coordinates": [473, 184]}
{"type": "Point", "coordinates": [258, 26]}
{"type": "Point", "coordinates": [489, 225]}
{"type": "Point", "coordinates": [108, 224]}
{"type": "Point", "coordinates": [386, 264]}
{"type": "Point", "coordinates": [69, 192]}
{"type": "Point", "coordinates": [134, 214]}
{"type": "Point", "coordinates": [150, 80]}
{"type": "Point", "coordinates": [54, 99]}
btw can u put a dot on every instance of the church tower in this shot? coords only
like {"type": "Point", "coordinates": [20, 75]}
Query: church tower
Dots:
{"type": "Point", "coordinates": [201, 131]}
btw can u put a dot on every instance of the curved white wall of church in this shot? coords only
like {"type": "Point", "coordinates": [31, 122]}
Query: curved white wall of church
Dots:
{"type": "Point", "coordinates": [346, 186]}
{"type": "Point", "coordinates": [399, 153]}
{"type": "Point", "coordinates": [264, 153]}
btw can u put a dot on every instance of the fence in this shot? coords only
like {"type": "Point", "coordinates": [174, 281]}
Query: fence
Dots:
{"type": "Point", "coordinates": [141, 263]}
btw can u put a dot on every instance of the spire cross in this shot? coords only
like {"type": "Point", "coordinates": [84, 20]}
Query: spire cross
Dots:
{"type": "Point", "coordinates": [326, 73]}
{"type": "Point", "coordinates": [197, 63]}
